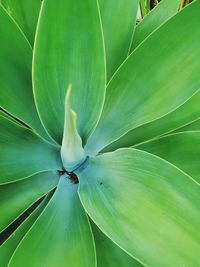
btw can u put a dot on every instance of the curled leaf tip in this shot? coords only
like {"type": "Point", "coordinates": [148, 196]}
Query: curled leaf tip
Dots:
{"type": "Point", "coordinates": [68, 94]}
{"type": "Point", "coordinates": [72, 152]}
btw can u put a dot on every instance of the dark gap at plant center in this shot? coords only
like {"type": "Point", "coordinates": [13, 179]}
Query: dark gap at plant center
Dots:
{"type": "Point", "coordinates": [72, 175]}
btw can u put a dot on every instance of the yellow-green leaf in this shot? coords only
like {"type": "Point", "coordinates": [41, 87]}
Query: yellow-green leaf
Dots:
{"type": "Point", "coordinates": [144, 204]}
{"type": "Point", "coordinates": [118, 21]}
{"type": "Point", "coordinates": [181, 149]}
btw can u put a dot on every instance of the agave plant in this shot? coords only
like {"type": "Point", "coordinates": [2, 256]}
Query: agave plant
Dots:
{"type": "Point", "coordinates": [99, 134]}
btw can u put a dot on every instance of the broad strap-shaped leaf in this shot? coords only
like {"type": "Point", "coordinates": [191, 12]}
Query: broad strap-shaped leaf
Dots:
{"type": "Point", "coordinates": [16, 197]}
{"type": "Point", "coordinates": [61, 236]}
{"type": "Point", "coordinates": [182, 149]}
{"type": "Point", "coordinates": [153, 76]}
{"type": "Point", "coordinates": [9, 246]}
{"type": "Point", "coordinates": [15, 80]}
{"type": "Point", "coordinates": [24, 153]}
{"type": "Point", "coordinates": [183, 115]}
{"type": "Point", "coordinates": [71, 53]}
{"type": "Point", "coordinates": [193, 126]}
{"type": "Point", "coordinates": [159, 15]}
{"type": "Point", "coordinates": [118, 20]}
{"type": "Point", "coordinates": [109, 254]}
{"type": "Point", "coordinates": [25, 13]}
{"type": "Point", "coordinates": [145, 205]}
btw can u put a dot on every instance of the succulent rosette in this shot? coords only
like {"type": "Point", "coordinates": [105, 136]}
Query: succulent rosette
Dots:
{"type": "Point", "coordinates": [99, 134]}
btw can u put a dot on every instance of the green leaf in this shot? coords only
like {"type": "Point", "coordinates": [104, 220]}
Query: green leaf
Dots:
{"type": "Point", "coordinates": [64, 238]}
{"type": "Point", "coordinates": [24, 153]}
{"type": "Point", "coordinates": [118, 20]}
{"type": "Point", "coordinates": [159, 15]}
{"type": "Point", "coordinates": [7, 116]}
{"type": "Point", "coordinates": [16, 197]}
{"type": "Point", "coordinates": [193, 126]}
{"type": "Point", "coordinates": [147, 79]}
{"type": "Point", "coordinates": [7, 249]}
{"type": "Point", "coordinates": [71, 53]}
{"type": "Point", "coordinates": [25, 13]}
{"type": "Point", "coordinates": [143, 8]}
{"type": "Point", "coordinates": [15, 67]}
{"type": "Point", "coordinates": [145, 205]}
{"type": "Point", "coordinates": [109, 254]}
{"type": "Point", "coordinates": [183, 115]}
{"type": "Point", "coordinates": [181, 149]}
{"type": "Point", "coordinates": [72, 152]}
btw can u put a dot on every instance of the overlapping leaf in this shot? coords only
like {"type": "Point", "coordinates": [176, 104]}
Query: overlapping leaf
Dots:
{"type": "Point", "coordinates": [183, 115]}
{"type": "Point", "coordinates": [24, 153]}
{"type": "Point", "coordinates": [15, 67]}
{"type": "Point", "coordinates": [193, 126]}
{"type": "Point", "coordinates": [162, 76]}
{"type": "Point", "coordinates": [16, 197]}
{"type": "Point", "coordinates": [25, 13]}
{"type": "Point", "coordinates": [144, 204]}
{"type": "Point", "coordinates": [159, 15]}
{"type": "Point", "coordinates": [71, 53]}
{"type": "Point", "coordinates": [118, 20]}
{"type": "Point", "coordinates": [7, 249]}
{"type": "Point", "coordinates": [109, 254]}
{"type": "Point", "coordinates": [181, 149]}
{"type": "Point", "coordinates": [65, 235]}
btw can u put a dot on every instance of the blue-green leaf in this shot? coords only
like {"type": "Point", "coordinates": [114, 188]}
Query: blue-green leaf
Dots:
{"type": "Point", "coordinates": [61, 236]}
{"type": "Point", "coordinates": [16, 197]}
{"type": "Point", "coordinates": [9, 246]}
{"type": "Point", "coordinates": [24, 153]}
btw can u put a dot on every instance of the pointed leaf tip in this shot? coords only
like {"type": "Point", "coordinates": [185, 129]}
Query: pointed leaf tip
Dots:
{"type": "Point", "coordinates": [72, 152]}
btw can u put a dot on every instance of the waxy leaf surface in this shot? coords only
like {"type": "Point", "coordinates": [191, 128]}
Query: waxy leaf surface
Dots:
{"type": "Point", "coordinates": [9, 246]}
{"type": "Point", "coordinates": [24, 153]}
{"type": "Point", "coordinates": [155, 18]}
{"type": "Point", "coordinates": [193, 126]}
{"type": "Point", "coordinates": [25, 13]}
{"type": "Point", "coordinates": [181, 149]}
{"type": "Point", "coordinates": [72, 152]}
{"type": "Point", "coordinates": [118, 20]}
{"type": "Point", "coordinates": [183, 115]}
{"type": "Point", "coordinates": [65, 236]}
{"type": "Point", "coordinates": [71, 53]}
{"type": "Point", "coordinates": [144, 204]}
{"type": "Point", "coordinates": [15, 67]}
{"type": "Point", "coordinates": [16, 197]}
{"type": "Point", "coordinates": [154, 80]}
{"type": "Point", "coordinates": [109, 254]}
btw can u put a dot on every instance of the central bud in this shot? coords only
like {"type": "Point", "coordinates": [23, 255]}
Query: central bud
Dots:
{"type": "Point", "coordinates": [72, 152]}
